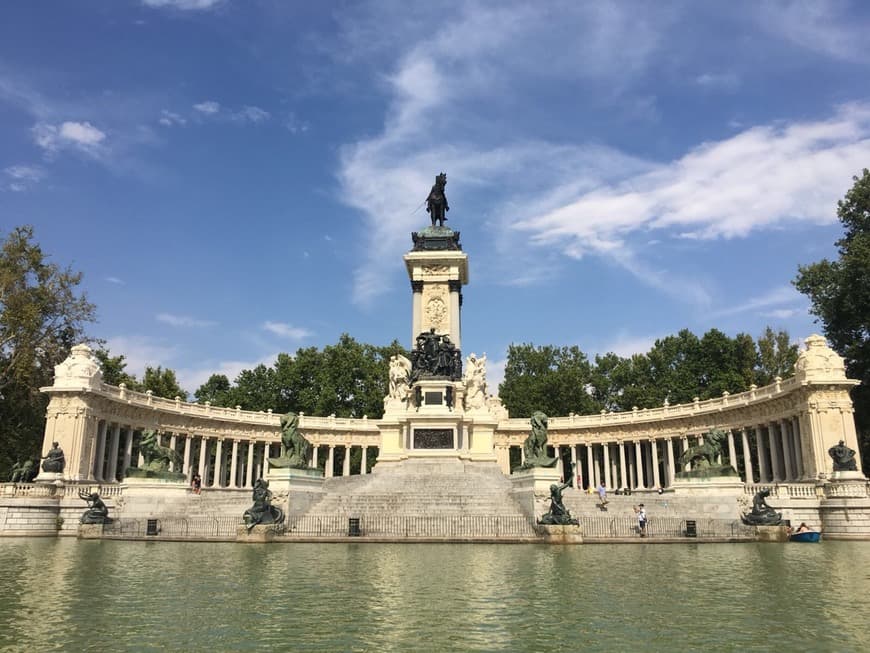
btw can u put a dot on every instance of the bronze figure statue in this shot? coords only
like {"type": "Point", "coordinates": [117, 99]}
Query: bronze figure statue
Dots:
{"type": "Point", "coordinates": [97, 512]}
{"type": "Point", "coordinates": [54, 461]}
{"type": "Point", "coordinates": [436, 203]}
{"type": "Point", "coordinates": [157, 457]}
{"type": "Point", "coordinates": [262, 512]}
{"type": "Point", "coordinates": [843, 457]}
{"type": "Point", "coordinates": [558, 514]}
{"type": "Point", "coordinates": [535, 445]}
{"type": "Point", "coordinates": [295, 449]}
{"type": "Point", "coordinates": [762, 514]}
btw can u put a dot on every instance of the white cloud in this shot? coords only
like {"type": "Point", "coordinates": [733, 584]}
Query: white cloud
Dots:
{"type": "Point", "coordinates": [170, 118]}
{"type": "Point", "coordinates": [294, 125]}
{"type": "Point", "coordinates": [141, 351]}
{"type": "Point", "coordinates": [192, 378]}
{"type": "Point", "coordinates": [286, 330]}
{"type": "Point", "coordinates": [494, 375]}
{"type": "Point", "coordinates": [209, 107]}
{"type": "Point", "coordinates": [625, 345]}
{"type": "Point", "coordinates": [82, 136]}
{"type": "Point", "coordinates": [774, 297]}
{"type": "Point", "coordinates": [183, 320]}
{"type": "Point", "coordinates": [115, 280]}
{"type": "Point", "coordinates": [183, 5]}
{"type": "Point", "coordinates": [251, 114]}
{"type": "Point", "coordinates": [784, 313]}
{"type": "Point", "coordinates": [721, 81]}
{"type": "Point", "coordinates": [22, 177]}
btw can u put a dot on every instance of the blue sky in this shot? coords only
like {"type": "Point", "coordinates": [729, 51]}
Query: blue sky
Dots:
{"type": "Point", "coordinates": [240, 178]}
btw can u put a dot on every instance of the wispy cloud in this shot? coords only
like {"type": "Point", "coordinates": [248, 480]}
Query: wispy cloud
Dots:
{"type": "Point", "coordinates": [247, 114]}
{"type": "Point", "coordinates": [251, 114]}
{"type": "Point", "coordinates": [22, 177]}
{"type": "Point", "coordinates": [285, 330]}
{"type": "Point", "coordinates": [141, 351]}
{"type": "Point", "coordinates": [170, 118]}
{"type": "Point", "coordinates": [294, 125]}
{"type": "Point", "coordinates": [80, 136]}
{"type": "Point", "coordinates": [774, 297]}
{"type": "Point", "coordinates": [718, 81]}
{"type": "Point", "coordinates": [183, 5]}
{"type": "Point", "coordinates": [625, 345]}
{"type": "Point", "coordinates": [209, 107]}
{"type": "Point", "coordinates": [115, 280]}
{"type": "Point", "coordinates": [183, 320]}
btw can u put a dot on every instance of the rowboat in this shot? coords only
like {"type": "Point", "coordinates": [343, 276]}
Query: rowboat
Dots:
{"type": "Point", "coordinates": [806, 536]}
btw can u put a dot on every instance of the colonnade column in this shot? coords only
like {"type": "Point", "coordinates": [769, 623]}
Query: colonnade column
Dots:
{"type": "Point", "coordinates": [173, 440]}
{"type": "Point", "coordinates": [638, 457]}
{"type": "Point", "coordinates": [249, 475]}
{"type": "Point", "coordinates": [732, 452]}
{"type": "Point", "coordinates": [763, 475]}
{"type": "Point", "coordinates": [345, 467]}
{"type": "Point", "coordinates": [364, 466]}
{"type": "Point", "coordinates": [574, 469]}
{"type": "Point", "coordinates": [774, 452]}
{"type": "Point", "coordinates": [218, 464]}
{"type": "Point", "coordinates": [623, 478]}
{"type": "Point", "coordinates": [185, 465]}
{"type": "Point", "coordinates": [653, 446]}
{"type": "Point", "coordinates": [590, 472]}
{"type": "Point", "coordinates": [203, 449]}
{"type": "Point", "coordinates": [799, 449]}
{"type": "Point", "coordinates": [747, 456]}
{"type": "Point", "coordinates": [685, 440]}
{"type": "Point", "coordinates": [607, 482]}
{"type": "Point", "coordinates": [670, 452]}
{"type": "Point", "coordinates": [234, 464]}
{"type": "Point", "coordinates": [788, 465]}
{"type": "Point", "coordinates": [113, 453]}
{"type": "Point", "coordinates": [128, 450]}
{"type": "Point", "coordinates": [100, 453]}
{"type": "Point", "coordinates": [330, 461]}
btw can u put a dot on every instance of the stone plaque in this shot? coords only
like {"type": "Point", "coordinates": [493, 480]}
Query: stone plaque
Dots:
{"type": "Point", "coordinates": [433, 399]}
{"type": "Point", "coordinates": [433, 438]}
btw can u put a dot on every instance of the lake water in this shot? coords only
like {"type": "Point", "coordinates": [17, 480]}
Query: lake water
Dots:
{"type": "Point", "coordinates": [69, 595]}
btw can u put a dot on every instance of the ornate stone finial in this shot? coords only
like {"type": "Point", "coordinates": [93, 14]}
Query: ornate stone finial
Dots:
{"type": "Point", "coordinates": [79, 370]}
{"type": "Point", "coordinates": [819, 362]}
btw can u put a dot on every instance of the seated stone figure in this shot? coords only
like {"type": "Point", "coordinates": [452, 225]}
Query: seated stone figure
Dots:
{"type": "Point", "coordinates": [262, 512]}
{"type": "Point", "coordinates": [54, 461]}
{"type": "Point", "coordinates": [762, 514]}
{"type": "Point", "coordinates": [843, 457]}
{"type": "Point", "coordinates": [97, 512]}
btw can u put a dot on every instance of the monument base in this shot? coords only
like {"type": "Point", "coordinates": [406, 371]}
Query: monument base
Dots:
{"type": "Point", "coordinates": [90, 531]}
{"type": "Point", "coordinates": [531, 489]}
{"type": "Point", "coordinates": [772, 533]}
{"type": "Point", "coordinates": [295, 490]}
{"type": "Point", "coordinates": [259, 534]}
{"type": "Point", "coordinates": [553, 534]}
{"type": "Point", "coordinates": [707, 485]}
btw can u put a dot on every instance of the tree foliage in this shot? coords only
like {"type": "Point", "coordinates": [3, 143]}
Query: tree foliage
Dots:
{"type": "Point", "coordinates": [676, 369]}
{"type": "Point", "coordinates": [839, 292]}
{"type": "Point", "coordinates": [42, 315]}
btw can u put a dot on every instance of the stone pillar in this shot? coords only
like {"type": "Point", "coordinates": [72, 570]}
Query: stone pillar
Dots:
{"type": "Point", "coordinates": [345, 467]}
{"type": "Point", "coordinates": [654, 454]}
{"type": "Point", "coordinates": [607, 480]}
{"type": "Point", "coordinates": [638, 455]}
{"type": "Point", "coordinates": [574, 467]}
{"type": "Point", "coordinates": [789, 465]}
{"type": "Point", "coordinates": [747, 456]}
{"type": "Point", "coordinates": [798, 446]}
{"type": "Point", "coordinates": [671, 468]}
{"type": "Point", "coordinates": [234, 464]}
{"type": "Point", "coordinates": [100, 453]}
{"type": "Point", "coordinates": [249, 475]}
{"type": "Point", "coordinates": [315, 450]}
{"type": "Point", "coordinates": [185, 466]}
{"type": "Point", "coordinates": [763, 467]}
{"type": "Point", "coordinates": [590, 467]}
{"type": "Point", "coordinates": [774, 453]}
{"type": "Point", "coordinates": [330, 461]}
{"type": "Point", "coordinates": [732, 452]}
{"type": "Point", "coordinates": [455, 288]}
{"type": "Point", "coordinates": [631, 481]}
{"type": "Point", "coordinates": [112, 474]}
{"type": "Point", "coordinates": [364, 466]}
{"type": "Point", "coordinates": [219, 464]}
{"type": "Point", "coordinates": [128, 450]}
{"type": "Point", "coordinates": [203, 452]}
{"type": "Point", "coordinates": [623, 479]}
{"type": "Point", "coordinates": [416, 309]}
{"type": "Point", "coordinates": [688, 466]}
{"type": "Point", "coordinates": [173, 441]}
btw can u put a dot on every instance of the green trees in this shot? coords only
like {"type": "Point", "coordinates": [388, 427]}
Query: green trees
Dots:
{"type": "Point", "coordinates": [676, 369]}
{"type": "Point", "coordinates": [839, 292]}
{"type": "Point", "coordinates": [348, 379]}
{"type": "Point", "coordinates": [42, 315]}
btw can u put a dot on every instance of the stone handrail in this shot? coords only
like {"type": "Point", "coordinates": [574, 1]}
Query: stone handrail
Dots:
{"type": "Point", "coordinates": [49, 490]}
{"type": "Point", "coordinates": [694, 409]}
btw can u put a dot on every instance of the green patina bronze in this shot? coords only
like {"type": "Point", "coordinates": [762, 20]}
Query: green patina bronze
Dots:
{"type": "Point", "coordinates": [97, 512]}
{"type": "Point", "coordinates": [295, 449]}
{"type": "Point", "coordinates": [535, 445]}
{"type": "Point", "coordinates": [558, 514]}
{"type": "Point", "coordinates": [157, 460]}
{"type": "Point", "coordinates": [762, 514]}
{"type": "Point", "coordinates": [704, 458]}
{"type": "Point", "coordinates": [262, 512]}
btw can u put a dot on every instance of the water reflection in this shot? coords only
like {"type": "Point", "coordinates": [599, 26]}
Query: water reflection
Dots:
{"type": "Point", "coordinates": [144, 596]}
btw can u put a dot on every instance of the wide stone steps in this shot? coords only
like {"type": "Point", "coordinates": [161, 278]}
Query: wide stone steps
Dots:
{"type": "Point", "coordinates": [659, 505]}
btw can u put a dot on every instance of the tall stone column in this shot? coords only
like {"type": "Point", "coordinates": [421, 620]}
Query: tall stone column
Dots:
{"type": "Point", "coordinates": [315, 451]}
{"type": "Point", "coordinates": [623, 478]}
{"type": "Point", "coordinates": [638, 455]}
{"type": "Point", "coordinates": [173, 441]}
{"type": "Point", "coordinates": [606, 450]}
{"type": "Point", "coordinates": [364, 466]}
{"type": "Point", "coordinates": [747, 456]}
{"type": "Point", "coordinates": [100, 453]}
{"type": "Point", "coordinates": [787, 453]}
{"type": "Point", "coordinates": [455, 288]}
{"type": "Point", "coordinates": [632, 477]}
{"type": "Point", "coordinates": [416, 308]}
{"type": "Point", "coordinates": [671, 468]}
{"type": "Point", "coordinates": [590, 467]}
{"type": "Point", "coordinates": [203, 452]}
{"type": "Point", "coordinates": [185, 465]}
{"type": "Point", "coordinates": [763, 467]}
{"type": "Point", "coordinates": [249, 474]}
{"type": "Point", "coordinates": [234, 464]}
{"type": "Point", "coordinates": [774, 453]}
{"type": "Point", "coordinates": [219, 464]}
{"type": "Point", "coordinates": [654, 454]}
{"type": "Point", "coordinates": [112, 474]}
{"type": "Point", "coordinates": [128, 450]}
{"type": "Point", "coordinates": [732, 451]}
{"type": "Point", "coordinates": [330, 461]}
{"type": "Point", "coordinates": [574, 467]}
{"type": "Point", "coordinates": [345, 467]}
{"type": "Point", "coordinates": [685, 441]}
{"type": "Point", "coordinates": [796, 435]}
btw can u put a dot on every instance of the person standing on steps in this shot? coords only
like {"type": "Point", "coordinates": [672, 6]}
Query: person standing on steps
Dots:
{"type": "Point", "coordinates": [641, 519]}
{"type": "Point", "coordinates": [602, 495]}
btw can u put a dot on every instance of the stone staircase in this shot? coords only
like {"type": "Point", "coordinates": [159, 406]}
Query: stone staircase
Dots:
{"type": "Point", "coordinates": [667, 505]}
{"type": "Point", "coordinates": [422, 498]}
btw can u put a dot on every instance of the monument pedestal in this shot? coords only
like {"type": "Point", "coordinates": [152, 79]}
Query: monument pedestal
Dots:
{"type": "Point", "coordinates": [553, 534]}
{"type": "Point", "coordinates": [531, 489]}
{"type": "Point", "coordinates": [295, 490]}
{"type": "Point", "coordinates": [708, 485]}
{"type": "Point", "coordinates": [259, 534]}
{"type": "Point", "coordinates": [772, 533]}
{"type": "Point", "coordinates": [90, 531]}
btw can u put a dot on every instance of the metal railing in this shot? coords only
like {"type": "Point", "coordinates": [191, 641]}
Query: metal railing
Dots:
{"type": "Point", "coordinates": [609, 527]}
{"type": "Point", "coordinates": [413, 526]}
